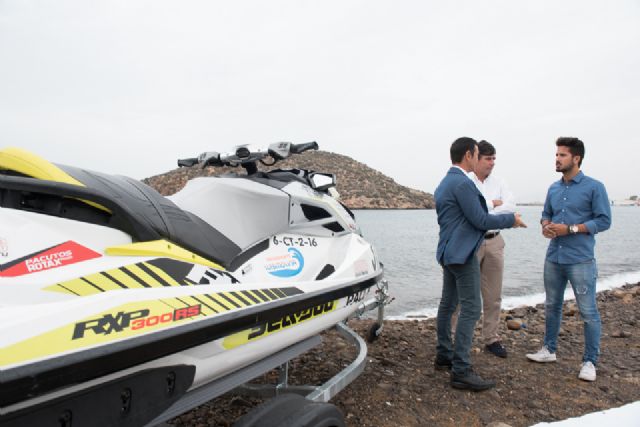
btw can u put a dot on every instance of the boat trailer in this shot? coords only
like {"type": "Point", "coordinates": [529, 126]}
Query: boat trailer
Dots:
{"type": "Point", "coordinates": [306, 395]}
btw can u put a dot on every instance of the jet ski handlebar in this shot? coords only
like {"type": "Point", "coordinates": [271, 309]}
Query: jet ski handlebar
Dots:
{"type": "Point", "coordinates": [187, 162]}
{"type": "Point", "coordinates": [247, 155]}
{"type": "Point", "coordinates": [299, 148]}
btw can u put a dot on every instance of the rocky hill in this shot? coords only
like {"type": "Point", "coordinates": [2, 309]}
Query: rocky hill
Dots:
{"type": "Point", "coordinates": [360, 186]}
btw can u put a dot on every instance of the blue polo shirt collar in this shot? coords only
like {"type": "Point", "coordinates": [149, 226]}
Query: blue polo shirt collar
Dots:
{"type": "Point", "coordinates": [575, 179]}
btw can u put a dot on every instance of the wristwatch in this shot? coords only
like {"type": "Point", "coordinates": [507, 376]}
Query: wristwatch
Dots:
{"type": "Point", "coordinates": [573, 229]}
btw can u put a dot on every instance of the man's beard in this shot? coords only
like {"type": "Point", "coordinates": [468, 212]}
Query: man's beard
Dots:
{"type": "Point", "coordinates": [560, 168]}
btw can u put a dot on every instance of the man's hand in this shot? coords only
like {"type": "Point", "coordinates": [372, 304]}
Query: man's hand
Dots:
{"type": "Point", "coordinates": [497, 203]}
{"type": "Point", "coordinates": [548, 232]}
{"type": "Point", "coordinates": [519, 222]}
{"type": "Point", "coordinates": [558, 229]}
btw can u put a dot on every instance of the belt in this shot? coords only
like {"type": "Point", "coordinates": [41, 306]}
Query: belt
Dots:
{"type": "Point", "coordinates": [491, 235]}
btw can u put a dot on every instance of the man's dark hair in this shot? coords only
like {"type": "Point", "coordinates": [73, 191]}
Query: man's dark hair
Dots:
{"type": "Point", "coordinates": [486, 149]}
{"type": "Point", "coordinates": [459, 148]}
{"type": "Point", "coordinates": [576, 147]}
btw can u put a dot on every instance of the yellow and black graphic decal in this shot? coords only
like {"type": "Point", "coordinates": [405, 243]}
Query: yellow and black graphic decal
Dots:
{"type": "Point", "coordinates": [157, 273]}
{"type": "Point", "coordinates": [27, 163]}
{"type": "Point", "coordinates": [133, 319]}
{"type": "Point", "coordinates": [264, 329]}
{"type": "Point", "coordinates": [160, 249]}
{"type": "Point", "coordinates": [202, 275]}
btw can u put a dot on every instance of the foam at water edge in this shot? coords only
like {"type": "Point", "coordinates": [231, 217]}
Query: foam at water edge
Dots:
{"type": "Point", "coordinates": [415, 315]}
{"type": "Point", "coordinates": [606, 283]}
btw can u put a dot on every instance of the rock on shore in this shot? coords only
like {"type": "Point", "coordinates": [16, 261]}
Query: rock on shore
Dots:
{"type": "Point", "coordinates": [400, 387]}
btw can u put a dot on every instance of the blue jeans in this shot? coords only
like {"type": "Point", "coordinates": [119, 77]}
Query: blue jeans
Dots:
{"type": "Point", "coordinates": [582, 277]}
{"type": "Point", "coordinates": [460, 284]}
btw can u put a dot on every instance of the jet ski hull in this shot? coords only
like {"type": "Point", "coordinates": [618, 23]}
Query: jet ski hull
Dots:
{"type": "Point", "coordinates": [105, 285]}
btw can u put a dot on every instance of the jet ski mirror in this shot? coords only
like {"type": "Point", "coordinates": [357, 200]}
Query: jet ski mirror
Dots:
{"type": "Point", "coordinates": [243, 153]}
{"type": "Point", "coordinates": [322, 181]}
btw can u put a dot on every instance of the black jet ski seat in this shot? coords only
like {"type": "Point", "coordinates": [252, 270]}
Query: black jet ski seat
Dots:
{"type": "Point", "coordinates": [114, 201]}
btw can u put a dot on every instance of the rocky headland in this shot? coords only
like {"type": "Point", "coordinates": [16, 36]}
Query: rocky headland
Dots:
{"type": "Point", "coordinates": [400, 387]}
{"type": "Point", "coordinates": [360, 186]}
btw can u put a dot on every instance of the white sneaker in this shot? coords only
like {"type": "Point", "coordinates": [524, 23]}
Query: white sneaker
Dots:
{"type": "Point", "coordinates": [543, 355]}
{"type": "Point", "coordinates": [587, 372]}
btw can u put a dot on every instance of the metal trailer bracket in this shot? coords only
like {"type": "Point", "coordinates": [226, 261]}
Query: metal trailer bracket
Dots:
{"type": "Point", "coordinates": [326, 391]}
{"type": "Point", "coordinates": [320, 393]}
{"type": "Point", "coordinates": [343, 378]}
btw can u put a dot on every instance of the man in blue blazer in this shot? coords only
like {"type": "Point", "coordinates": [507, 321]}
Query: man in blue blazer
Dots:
{"type": "Point", "coordinates": [463, 219]}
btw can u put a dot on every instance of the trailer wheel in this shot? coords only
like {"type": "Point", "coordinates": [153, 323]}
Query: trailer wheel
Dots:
{"type": "Point", "coordinates": [372, 332]}
{"type": "Point", "coordinates": [291, 410]}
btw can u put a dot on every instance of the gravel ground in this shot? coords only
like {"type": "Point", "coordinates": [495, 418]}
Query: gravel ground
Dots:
{"type": "Point", "coordinates": [400, 387]}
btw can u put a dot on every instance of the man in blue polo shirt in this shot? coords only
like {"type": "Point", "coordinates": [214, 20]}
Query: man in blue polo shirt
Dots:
{"type": "Point", "coordinates": [576, 208]}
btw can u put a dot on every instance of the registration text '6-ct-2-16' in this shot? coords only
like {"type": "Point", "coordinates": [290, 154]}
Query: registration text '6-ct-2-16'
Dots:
{"type": "Point", "coordinates": [295, 241]}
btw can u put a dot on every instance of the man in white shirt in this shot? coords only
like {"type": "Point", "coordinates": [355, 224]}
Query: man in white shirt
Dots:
{"type": "Point", "coordinates": [491, 252]}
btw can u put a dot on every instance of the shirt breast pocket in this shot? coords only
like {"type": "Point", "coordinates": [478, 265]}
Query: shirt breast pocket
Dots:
{"type": "Point", "coordinates": [580, 207]}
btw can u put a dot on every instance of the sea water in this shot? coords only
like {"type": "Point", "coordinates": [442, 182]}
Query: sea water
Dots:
{"type": "Point", "coordinates": [406, 243]}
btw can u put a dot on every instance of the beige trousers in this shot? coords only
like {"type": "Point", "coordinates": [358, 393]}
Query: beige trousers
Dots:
{"type": "Point", "coordinates": [491, 258]}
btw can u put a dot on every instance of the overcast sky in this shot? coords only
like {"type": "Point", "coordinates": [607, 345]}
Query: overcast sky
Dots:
{"type": "Point", "coordinates": [127, 87]}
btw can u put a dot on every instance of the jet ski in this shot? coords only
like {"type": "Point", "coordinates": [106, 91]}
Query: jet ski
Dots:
{"type": "Point", "coordinates": [116, 301]}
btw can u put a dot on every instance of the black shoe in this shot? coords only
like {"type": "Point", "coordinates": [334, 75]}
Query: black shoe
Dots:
{"type": "Point", "coordinates": [442, 364]}
{"type": "Point", "coordinates": [471, 381]}
{"type": "Point", "coordinates": [497, 349]}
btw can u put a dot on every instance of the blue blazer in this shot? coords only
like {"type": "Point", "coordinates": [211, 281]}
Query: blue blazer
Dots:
{"type": "Point", "coordinates": [463, 218]}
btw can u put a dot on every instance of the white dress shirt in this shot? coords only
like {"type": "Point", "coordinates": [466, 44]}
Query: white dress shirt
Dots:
{"type": "Point", "coordinates": [494, 188]}
{"type": "Point", "coordinates": [463, 171]}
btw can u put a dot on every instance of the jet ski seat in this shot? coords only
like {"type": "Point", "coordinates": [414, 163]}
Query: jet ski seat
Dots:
{"type": "Point", "coordinates": [114, 201]}
{"type": "Point", "coordinates": [161, 214]}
